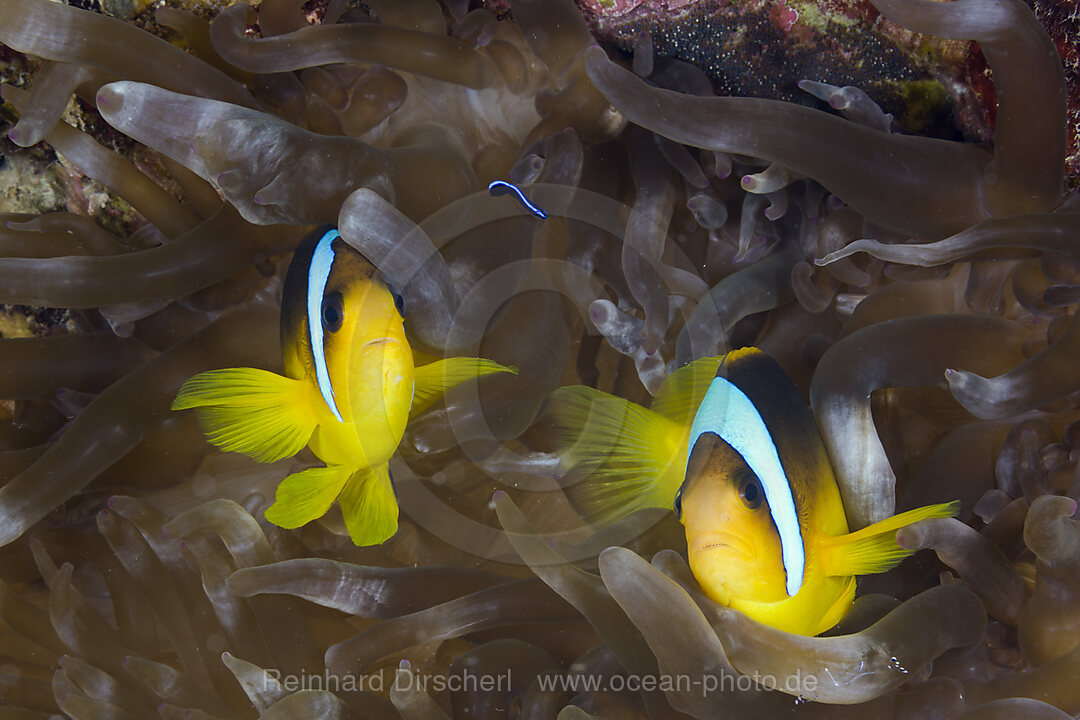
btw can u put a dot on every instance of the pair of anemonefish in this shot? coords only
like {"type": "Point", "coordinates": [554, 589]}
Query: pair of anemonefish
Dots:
{"type": "Point", "coordinates": [349, 390]}
{"type": "Point", "coordinates": [730, 444]}
{"type": "Point", "coordinates": [727, 441]}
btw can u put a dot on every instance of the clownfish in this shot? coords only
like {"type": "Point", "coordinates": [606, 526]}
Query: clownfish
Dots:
{"type": "Point", "coordinates": [349, 389]}
{"type": "Point", "coordinates": [731, 446]}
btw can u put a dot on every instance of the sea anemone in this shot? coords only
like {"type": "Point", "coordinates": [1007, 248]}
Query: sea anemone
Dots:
{"type": "Point", "coordinates": [921, 292]}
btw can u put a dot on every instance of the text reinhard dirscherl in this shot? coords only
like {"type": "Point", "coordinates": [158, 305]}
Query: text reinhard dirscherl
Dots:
{"type": "Point", "coordinates": [466, 681]}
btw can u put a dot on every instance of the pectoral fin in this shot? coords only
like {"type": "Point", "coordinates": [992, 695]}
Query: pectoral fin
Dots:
{"type": "Point", "coordinates": [306, 496]}
{"type": "Point", "coordinates": [433, 379]}
{"type": "Point", "coordinates": [683, 390]}
{"type": "Point", "coordinates": [873, 549]}
{"type": "Point", "coordinates": [258, 413]}
{"type": "Point", "coordinates": [619, 457]}
{"type": "Point", "coordinates": [369, 506]}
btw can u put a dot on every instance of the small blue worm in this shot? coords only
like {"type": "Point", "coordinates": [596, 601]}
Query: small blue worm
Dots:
{"type": "Point", "coordinates": [501, 187]}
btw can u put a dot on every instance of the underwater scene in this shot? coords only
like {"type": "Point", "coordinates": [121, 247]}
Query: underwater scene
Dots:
{"type": "Point", "coordinates": [540, 359]}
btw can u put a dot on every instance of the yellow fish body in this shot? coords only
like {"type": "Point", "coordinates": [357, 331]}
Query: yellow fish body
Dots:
{"type": "Point", "coordinates": [730, 444]}
{"type": "Point", "coordinates": [349, 391]}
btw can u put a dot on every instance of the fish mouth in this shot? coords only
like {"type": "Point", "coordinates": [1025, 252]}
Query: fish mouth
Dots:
{"type": "Point", "coordinates": [378, 341]}
{"type": "Point", "coordinates": [715, 541]}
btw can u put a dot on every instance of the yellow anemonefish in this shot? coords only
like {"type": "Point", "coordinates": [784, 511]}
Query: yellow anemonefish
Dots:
{"type": "Point", "coordinates": [730, 443]}
{"type": "Point", "coordinates": [350, 389]}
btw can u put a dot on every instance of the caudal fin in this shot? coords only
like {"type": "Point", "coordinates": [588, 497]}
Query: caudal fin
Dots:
{"type": "Point", "coordinates": [258, 413]}
{"type": "Point", "coordinates": [434, 379]}
{"type": "Point", "coordinates": [618, 457]}
{"type": "Point", "coordinates": [873, 549]}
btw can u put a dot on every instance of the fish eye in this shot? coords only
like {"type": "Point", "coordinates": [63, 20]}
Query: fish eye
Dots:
{"type": "Point", "coordinates": [332, 312]}
{"type": "Point", "coordinates": [750, 491]}
{"type": "Point", "coordinates": [399, 301]}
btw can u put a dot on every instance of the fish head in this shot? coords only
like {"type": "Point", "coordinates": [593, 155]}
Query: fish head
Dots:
{"type": "Point", "coordinates": [734, 547]}
{"type": "Point", "coordinates": [342, 330]}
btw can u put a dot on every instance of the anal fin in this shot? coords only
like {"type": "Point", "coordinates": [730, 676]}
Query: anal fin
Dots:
{"type": "Point", "coordinates": [369, 506]}
{"type": "Point", "coordinates": [366, 495]}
